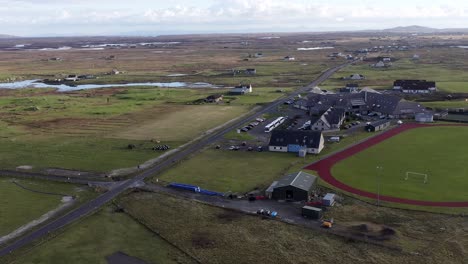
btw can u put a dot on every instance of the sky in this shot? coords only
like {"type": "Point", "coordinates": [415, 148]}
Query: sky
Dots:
{"type": "Point", "coordinates": [155, 17]}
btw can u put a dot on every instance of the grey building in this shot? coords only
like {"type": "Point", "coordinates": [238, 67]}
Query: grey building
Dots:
{"type": "Point", "coordinates": [378, 125]}
{"type": "Point", "coordinates": [296, 186]}
{"type": "Point", "coordinates": [424, 117]}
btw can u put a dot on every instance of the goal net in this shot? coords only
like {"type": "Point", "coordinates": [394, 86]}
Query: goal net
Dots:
{"type": "Point", "coordinates": [416, 177]}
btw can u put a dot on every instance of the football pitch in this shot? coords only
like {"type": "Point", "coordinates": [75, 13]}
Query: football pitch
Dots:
{"type": "Point", "coordinates": [411, 164]}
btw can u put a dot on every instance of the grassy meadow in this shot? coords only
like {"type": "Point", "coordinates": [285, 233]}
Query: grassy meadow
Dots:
{"type": "Point", "coordinates": [241, 171]}
{"type": "Point", "coordinates": [446, 66]}
{"type": "Point", "coordinates": [98, 236]}
{"type": "Point", "coordinates": [20, 206]}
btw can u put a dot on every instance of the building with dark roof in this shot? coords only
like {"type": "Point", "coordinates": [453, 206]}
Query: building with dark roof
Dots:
{"type": "Point", "coordinates": [295, 186]}
{"type": "Point", "coordinates": [241, 89]}
{"type": "Point", "coordinates": [377, 125]}
{"type": "Point", "coordinates": [364, 102]}
{"type": "Point", "coordinates": [414, 86]}
{"type": "Point", "coordinates": [214, 98]}
{"type": "Point", "coordinates": [332, 119]}
{"type": "Point", "coordinates": [294, 141]}
{"type": "Point", "coordinates": [350, 88]}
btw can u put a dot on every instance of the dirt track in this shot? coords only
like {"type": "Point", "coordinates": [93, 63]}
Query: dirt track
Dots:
{"type": "Point", "coordinates": [324, 166]}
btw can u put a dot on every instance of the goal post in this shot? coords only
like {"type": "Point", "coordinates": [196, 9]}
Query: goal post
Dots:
{"type": "Point", "coordinates": [416, 176]}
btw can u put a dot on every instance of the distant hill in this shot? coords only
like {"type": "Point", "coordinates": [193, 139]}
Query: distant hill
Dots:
{"type": "Point", "coordinates": [420, 29]}
{"type": "Point", "coordinates": [6, 36]}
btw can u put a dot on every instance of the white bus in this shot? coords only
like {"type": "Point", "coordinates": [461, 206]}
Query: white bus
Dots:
{"type": "Point", "coordinates": [276, 123]}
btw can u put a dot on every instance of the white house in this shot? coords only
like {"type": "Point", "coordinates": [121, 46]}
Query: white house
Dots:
{"type": "Point", "coordinates": [72, 78]}
{"type": "Point", "coordinates": [241, 89]}
{"type": "Point", "coordinates": [294, 141]}
{"type": "Point", "coordinates": [332, 119]}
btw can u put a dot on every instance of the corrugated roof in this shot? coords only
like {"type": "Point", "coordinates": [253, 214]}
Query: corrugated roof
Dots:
{"type": "Point", "coordinates": [299, 180]}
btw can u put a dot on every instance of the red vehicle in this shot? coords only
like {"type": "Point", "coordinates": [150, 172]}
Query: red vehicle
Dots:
{"type": "Point", "coordinates": [260, 197]}
{"type": "Point", "coordinates": [315, 203]}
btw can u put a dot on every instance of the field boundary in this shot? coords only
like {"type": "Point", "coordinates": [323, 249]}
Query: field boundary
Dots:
{"type": "Point", "coordinates": [323, 168]}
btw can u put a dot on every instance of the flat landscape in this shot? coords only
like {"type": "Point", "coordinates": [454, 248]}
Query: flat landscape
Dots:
{"type": "Point", "coordinates": [20, 206]}
{"type": "Point", "coordinates": [171, 97]}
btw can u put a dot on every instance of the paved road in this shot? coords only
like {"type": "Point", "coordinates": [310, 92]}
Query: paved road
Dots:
{"type": "Point", "coordinates": [91, 206]}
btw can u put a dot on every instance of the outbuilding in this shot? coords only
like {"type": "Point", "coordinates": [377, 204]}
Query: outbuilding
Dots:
{"type": "Point", "coordinates": [424, 117]}
{"type": "Point", "coordinates": [311, 212]}
{"type": "Point", "coordinates": [295, 186]}
{"type": "Point", "coordinates": [328, 199]}
{"type": "Point", "coordinates": [378, 125]}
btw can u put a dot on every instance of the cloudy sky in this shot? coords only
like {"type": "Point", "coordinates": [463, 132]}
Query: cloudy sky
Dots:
{"type": "Point", "coordinates": [153, 17]}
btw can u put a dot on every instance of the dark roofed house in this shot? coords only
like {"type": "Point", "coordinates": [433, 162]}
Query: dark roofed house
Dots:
{"type": "Point", "coordinates": [363, 102]}
{"type": "Point", "coordinates": [415, 86]}
{"type": "Point", "coordinates": [250, 71]}
{"type": "Point", "coordinates": [214, 98]}
{"type": "Point", "coordinates": [332, 119]}
{"type": "Point", "coordinates": [294, 141]}
{"type": "Point", "coordinates": [241, 89]}
{"type": "Point", "coordinates": [295, 186]}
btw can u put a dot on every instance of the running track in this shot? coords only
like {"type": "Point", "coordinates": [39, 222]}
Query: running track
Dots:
{"type": "Point", "coordinates": [323, 168]}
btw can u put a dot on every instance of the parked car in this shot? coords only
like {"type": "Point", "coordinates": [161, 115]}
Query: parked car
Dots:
{"type": "Point", "coordinates": [260, 149]}
{"type": "Point", "coordinates": [218, 147]}
{"type": "Point", "coordinates": [249, 149]}
{"type": "Point", "coordinates": [260, 120]}
{"type": "Point", "coordinates": [267, 213]}
{"type": "Point", "coordinates": [315, 203]}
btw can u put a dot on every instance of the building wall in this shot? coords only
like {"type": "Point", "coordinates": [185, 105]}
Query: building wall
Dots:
{"type": "Point", "coordinates": [416, 91]}
{"type": "Point", "coordinates": [278, 149]}
{"type": "Point", "coordinates": [298, 194]}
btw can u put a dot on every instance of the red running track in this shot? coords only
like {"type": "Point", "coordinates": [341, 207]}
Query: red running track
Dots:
{"type": "Point", "coordinates": [323, 168]}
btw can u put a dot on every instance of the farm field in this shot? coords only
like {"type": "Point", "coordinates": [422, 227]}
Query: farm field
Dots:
{"type": "Point", "coordinates": [21, 206]}
{"type": "Point", "coordinates": [91, 129]}
{"type": "Point", "coordinates": [101, 235]}
{"type": "Point", "coordinates": [441, 65]}
{"type": "Point", "coordinates": [94, 132]}
{"type": "Point", "coordinates": [242, 171]}
{"type": "Point", "coordinates": [436, 151]}
{"type": "Point", "coordinates": [214, 233]}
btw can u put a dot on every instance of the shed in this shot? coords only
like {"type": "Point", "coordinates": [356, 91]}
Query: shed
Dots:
{"type": "Point", "coordinates": [269, 190]}
{"type": "Point", "coordinates": [424, 117]}
{"type": "Point", "coordinates": [328, 199]}
{"type": "Point", "coordinates": [296, 186]}
{"type": "Point", "coordinates": [378, 125]}
{"type": "Point", "coordinates": [311, 212]}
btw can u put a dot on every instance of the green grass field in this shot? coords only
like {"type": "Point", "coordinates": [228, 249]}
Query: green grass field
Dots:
{"type": "Point", "coordinates": [21, 206]}
{"type": "Point", "coordinates": [242, 171]}
{"type": "Point", "coordinates": [100, 235]}
{"type": "Point", "coordinates": [448, 77]}
{"type": "Point", "coordinates": [437, 151]}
